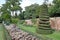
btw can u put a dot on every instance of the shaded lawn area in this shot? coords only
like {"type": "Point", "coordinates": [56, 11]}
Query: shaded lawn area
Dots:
{"type": "Point", "coordinates": [1, 33]}
{"type": "Point", "coordinates": [54, 36]}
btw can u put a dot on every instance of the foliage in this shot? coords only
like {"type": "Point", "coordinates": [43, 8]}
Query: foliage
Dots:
{"type": "Point", "coordinates": [44, 25]}
{"type": "Point", "coordinates": [45, 31]}
{"type": "Point", "coordinates": [6, 17]}
{"type": "Point", "coordinates": [21, 16]}
{"type": "Point", "coordinates": [5, 12]}
{"type": "Point", "coordinates": [21, 22]}
{"type": "Point", "coordinates": [0, 19]}
{"type": "Point", "coordinates": [11, 6]}
{"type": "Point", "coordinates": [32, 11]}
{"type": "Point", "coordinates": [14, 20]}
{"type": "Point", "coordinates": [14, 6]}
{"type": "Point", "coordinates": [55, 8]}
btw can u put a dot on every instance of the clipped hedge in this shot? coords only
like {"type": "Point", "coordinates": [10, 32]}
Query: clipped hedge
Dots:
{"type": "Point", "coordinates": [45, 30]}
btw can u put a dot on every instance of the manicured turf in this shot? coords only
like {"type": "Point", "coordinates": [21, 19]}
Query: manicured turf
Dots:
{"type": "Point", "coordinates": [54, 36]}
{"type": "Point", "coordinates": [28, 28]}
{"type": "Point", "coordinates": [1, 33]}
{"type": "Point", "coordinates": [4, 34]}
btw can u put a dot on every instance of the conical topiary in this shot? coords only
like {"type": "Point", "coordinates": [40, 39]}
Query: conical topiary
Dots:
{"type": "Point", "coordinates": [44, 25]}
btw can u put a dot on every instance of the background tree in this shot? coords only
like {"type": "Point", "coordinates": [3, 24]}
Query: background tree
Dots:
{"type": "Point", "coordinates": [32, 11]}
{"type": "Point", "coordinates": [55, 8]}
{"type": "Point", "coordinates": [9, 7]}
{"type": "Point", "coordinates": [21, 15]}
{"type": "Point", "coordinates": [14, 6]}
{"type": "Point", "coordinates": [6, 14]}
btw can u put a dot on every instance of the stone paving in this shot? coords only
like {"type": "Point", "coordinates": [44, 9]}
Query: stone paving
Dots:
{"type": "Point", "coordinates": [18, 34]}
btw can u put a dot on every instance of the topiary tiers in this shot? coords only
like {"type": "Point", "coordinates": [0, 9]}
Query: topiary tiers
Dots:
{"type": "Point", "coordinates": [44, 24]}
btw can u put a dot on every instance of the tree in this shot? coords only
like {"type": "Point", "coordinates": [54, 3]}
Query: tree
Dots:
{"type": "Point", "coordinates": [32, 10]}
{"type": "Point", "coordinates": [6, 16]}
{"type": "Point", "coordinates": [14, 6]}
{"type": "Point", "coordinates": [8, 7]}
{"type": "Point", "coordinates": [44, 25]}
{"type": "Point", "coordinates": [55, 9]}
{"type": "Point", "coordinates": [21, 15]}
{"type": "Point", "coordinates": [0, 15]}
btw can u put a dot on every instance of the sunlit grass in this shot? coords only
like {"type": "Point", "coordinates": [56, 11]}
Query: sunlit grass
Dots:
{"type": "Point", "coordinates": [1, 33]}
{"type": "Point", "coordinates": [54, 36]}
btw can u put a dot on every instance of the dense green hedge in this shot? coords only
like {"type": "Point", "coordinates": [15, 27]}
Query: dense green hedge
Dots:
{"type": "Point", "coordinates": [45, 31]}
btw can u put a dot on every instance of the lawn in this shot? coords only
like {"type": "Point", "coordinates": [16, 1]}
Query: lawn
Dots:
{"type": "Point", "coordinates": [1, 33]}
{"type": "Point", "coordinates": [4, 34]}
{"type": "Point", "coordinates": [54, 36]}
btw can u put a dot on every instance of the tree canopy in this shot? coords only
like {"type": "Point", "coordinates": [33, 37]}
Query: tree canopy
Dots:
{"type": "Point", "coordinates": [55, 8]}
{"type": "Point", "coordinates": [32, 11]}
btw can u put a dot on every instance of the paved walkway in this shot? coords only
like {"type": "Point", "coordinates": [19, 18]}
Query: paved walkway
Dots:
{"type": "Point", "coordinates": [18, 34]}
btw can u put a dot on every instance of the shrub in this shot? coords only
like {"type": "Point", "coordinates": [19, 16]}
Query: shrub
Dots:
{"type": "Point", "coordinates": [14, 20]}
{"type": "Point", "coordinates": [6, 16]}
{"type": "Point", "coordinates": [45, 31]}
{"type": "Point", "coordinates": [21, 22]}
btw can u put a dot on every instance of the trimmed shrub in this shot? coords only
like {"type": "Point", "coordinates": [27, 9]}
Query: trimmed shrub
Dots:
{"type": "Point", "coordinates": [45, 30]}
{"type": "Point", "coordinates": [14, 20]}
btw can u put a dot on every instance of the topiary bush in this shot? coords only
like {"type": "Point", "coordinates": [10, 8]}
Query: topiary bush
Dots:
{"type": "Point", "coordinates": [43, 30]}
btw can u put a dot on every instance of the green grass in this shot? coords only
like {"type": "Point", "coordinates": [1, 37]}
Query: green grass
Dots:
{"type": "Point", "coordinates": [4, 34]}
{"type": "Point", "coordinates": [1, 33]}
{"type": "Point", "coordinates": [54, 36]}
{"type": "Point", "coordinates": [29, 28]}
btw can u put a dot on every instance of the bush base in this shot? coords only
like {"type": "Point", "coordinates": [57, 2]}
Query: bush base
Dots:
{"type": "Point", "coordinates": [45, 31]}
